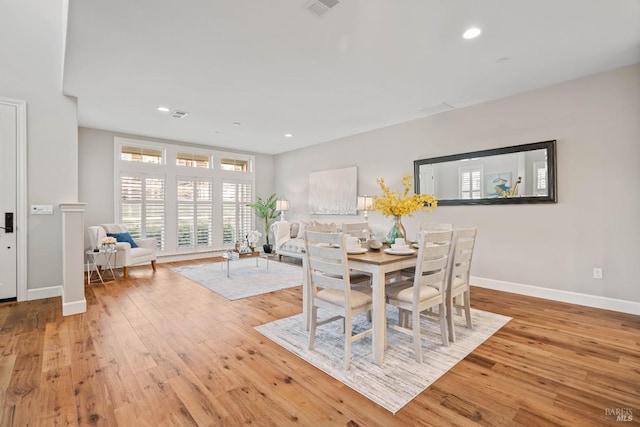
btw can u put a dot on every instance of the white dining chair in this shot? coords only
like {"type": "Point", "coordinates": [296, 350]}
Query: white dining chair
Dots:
{"type": "Point", "coordinates": [330, 287]}
{"type": "Point", "coordinates": [427, 290]}
{"type": "Point", "coordinates": [360, 230]}
{"type": "Point", "coordinates": [459, 286]}
{"type": "Point", "coordinates": [407, 273]}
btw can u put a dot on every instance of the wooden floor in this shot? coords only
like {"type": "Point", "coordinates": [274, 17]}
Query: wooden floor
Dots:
{"type": "Point", "coordinates": [158, 350]}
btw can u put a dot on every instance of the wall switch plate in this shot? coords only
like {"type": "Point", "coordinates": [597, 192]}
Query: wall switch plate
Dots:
{"type": "Point", "coordinates": [41, 209]}
{"type": "Point", "coordinates": [597, 273]}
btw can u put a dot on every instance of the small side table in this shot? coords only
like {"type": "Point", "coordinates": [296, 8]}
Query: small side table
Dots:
{"type": "Point", "coordinates": [92, 259]}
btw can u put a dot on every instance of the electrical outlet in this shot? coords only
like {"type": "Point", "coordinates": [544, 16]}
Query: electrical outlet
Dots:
{"type": "Point", "coordinates": [597, 273]}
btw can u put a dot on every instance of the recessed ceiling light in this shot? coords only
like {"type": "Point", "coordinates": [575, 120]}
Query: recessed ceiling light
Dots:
{"type": "Point", "coordinates": [236, 124]}
{"type": "Point", "coordinates": [164, 109]}
{"type": "Point", "coordinates": [288, 135]}
{"type": "Point", "coordinates": [472, 33]}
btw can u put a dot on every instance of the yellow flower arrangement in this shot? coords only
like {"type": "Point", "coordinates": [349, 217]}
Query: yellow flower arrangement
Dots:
{"type": "Point", "coordinates": [392, 203]}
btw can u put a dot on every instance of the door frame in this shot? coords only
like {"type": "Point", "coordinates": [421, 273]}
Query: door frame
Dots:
{"type": "Point", "coordinates": [21, 194]}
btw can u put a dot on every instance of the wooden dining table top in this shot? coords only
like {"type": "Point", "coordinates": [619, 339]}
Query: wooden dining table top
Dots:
{"type": "Point", "coordinates": [379, 257]}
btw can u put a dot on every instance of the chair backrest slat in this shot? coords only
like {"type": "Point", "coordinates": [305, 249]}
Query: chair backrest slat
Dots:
{"type": "Point", "coordinates": [463, 253]}
{"type": "Point", "coordinates": [435, 279]}
{"type": "Point", "coordinates": [359, 230]}
{"type": "Point", "coordinates": [326, 261]}
{"type": "Point", "coordinates": [435, 226]}
{"type": "Point", "coordinates": [433, 260]}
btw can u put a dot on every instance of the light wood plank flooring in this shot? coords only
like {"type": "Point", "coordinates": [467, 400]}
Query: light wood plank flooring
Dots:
{"type": "Point", "coordinates": [158, 350]}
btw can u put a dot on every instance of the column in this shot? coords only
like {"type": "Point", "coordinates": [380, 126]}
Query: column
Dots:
{"type": "Point", "coordinates": [73, 300]}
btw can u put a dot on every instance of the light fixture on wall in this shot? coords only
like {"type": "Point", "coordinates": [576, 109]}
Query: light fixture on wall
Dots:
{"type": "Point", "coordinates": [282, 206]}
{"type": "Point", "coordinates": [364, 204]}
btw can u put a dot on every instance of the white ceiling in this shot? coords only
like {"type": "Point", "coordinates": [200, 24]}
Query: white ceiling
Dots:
{"type": "Point", "coordinates": [275, 68]}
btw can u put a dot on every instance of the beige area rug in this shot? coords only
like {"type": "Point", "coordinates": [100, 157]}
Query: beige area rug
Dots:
{"type": "Point", "coordinates": [245, 279]}
{"type": "Point", "coordinates": [401, 378]}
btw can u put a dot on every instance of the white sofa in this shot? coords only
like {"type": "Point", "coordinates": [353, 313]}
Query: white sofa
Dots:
{"type": "Point", "coordinates": [289, 235]}
{"type": "Point", "coordinates": [126, 256]}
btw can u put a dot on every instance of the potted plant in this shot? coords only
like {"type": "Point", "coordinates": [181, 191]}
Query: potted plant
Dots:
{"type": "Point", "coordinates": [266, 211]}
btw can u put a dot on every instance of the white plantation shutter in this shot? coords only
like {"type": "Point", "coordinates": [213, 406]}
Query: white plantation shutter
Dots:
{"type": "Point", "coordinates": [186, 213]}
{"type": "Point", "coordinates": [470, 180]}
{"type": "Point", "coordinates": [131, 204]}
{"type": "Point", "coordinates": [236, 215]}
{"type": "Point", "coordinates": [142, 206]}
{"type": "Point", "coordinates": [204, 214]}
{"type": "Point", "coordinates": [195, 213]}
{"type": "Point", "coordinates": [540, 178]}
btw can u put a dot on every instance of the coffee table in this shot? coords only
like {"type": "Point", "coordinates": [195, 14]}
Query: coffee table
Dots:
{"type": "Point", "coordinates": [234, 256]}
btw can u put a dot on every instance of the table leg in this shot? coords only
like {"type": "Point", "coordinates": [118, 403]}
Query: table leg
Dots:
{"type": "Point", "coordinates": [306, 295]}
{"type": "Point", "coordinates": [109, 263]}
{"type": "Point", "coordinates": [379, 318]}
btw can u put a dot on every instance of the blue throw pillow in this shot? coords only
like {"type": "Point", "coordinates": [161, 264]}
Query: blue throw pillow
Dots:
{"type": "Point", "coordinates": [123, 237]}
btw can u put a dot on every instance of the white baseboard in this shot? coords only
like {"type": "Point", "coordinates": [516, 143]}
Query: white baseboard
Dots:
{"type": "Point", "coordinates": [558, 295]}
{"type": "Point", "coordinates": [189, 256]}
{"type": "Point", "coordinates": [75, 307]}
{"type": "Point", "coordinates": [41, 293]}
{"type": "Point", "coordinates": [68, 308]}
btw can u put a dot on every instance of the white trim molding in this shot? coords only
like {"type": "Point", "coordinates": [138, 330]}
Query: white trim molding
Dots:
{"type": "Point", "coordinates": [73, 299]}
{"type": "Point", "coordinates": [558, 295]}
{"type": "Point", "coordinates": [21, 194]}
{"type": "Point", "coordinates": [74, 307]}
{"type": "Point", "coordinates": [42, 293]}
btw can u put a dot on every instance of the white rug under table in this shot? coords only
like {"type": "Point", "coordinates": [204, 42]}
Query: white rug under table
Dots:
{"type": "Point", "coordinates": [401, 378]}
{"type": "Point", "coordinates": [245, 279]}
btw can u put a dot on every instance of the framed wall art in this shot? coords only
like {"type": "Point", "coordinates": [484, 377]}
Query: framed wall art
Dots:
{"type": "Point", "coordinates": [333, 192]}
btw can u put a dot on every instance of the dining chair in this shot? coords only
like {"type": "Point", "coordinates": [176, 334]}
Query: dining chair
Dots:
{"type": "Point", "coordinates": [427, 290]}
{"type": "Point", "coordinates": [330, 287]}
{"type": "Point", "coordinates": [360, 230]}
{"type": "Point", "coordinates": [427, 226]}
{"type": "Point", "coordinates": [435, 226]}
{"type": "Point", "coordinates": [459, 286]}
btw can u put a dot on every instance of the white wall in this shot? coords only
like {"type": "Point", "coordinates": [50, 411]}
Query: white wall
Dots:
{"type": "Point", "coordinates": [554, 247]}
{"type": "Point", "coordinates": [95, 151]}
{"type": "Point", "coordinates": [32, 71]}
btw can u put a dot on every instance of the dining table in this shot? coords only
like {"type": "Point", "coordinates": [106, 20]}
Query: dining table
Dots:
{"type": "Point", "coordinates": [378, 264]}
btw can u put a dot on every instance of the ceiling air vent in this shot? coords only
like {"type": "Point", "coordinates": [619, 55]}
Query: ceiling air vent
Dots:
{"type": "Point", "coordinates": [320, 7]}
{"type": "Point", "coordinates": [178, 114]}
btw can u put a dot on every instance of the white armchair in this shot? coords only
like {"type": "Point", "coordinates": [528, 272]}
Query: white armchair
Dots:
{"type": "Point", "coordinates": [126, 256]}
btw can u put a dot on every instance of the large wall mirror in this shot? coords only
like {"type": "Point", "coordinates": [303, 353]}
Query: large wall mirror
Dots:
{"type": "Point", "coordinates": [517, 174]}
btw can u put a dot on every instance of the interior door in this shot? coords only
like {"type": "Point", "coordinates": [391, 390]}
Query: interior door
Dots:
{"type": "Point", "coordinates": [8, 202]}
{"type": "Point", "coordinates": [426, 180]}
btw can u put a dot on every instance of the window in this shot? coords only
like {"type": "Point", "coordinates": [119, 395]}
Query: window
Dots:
{"type": "Point", "coordinates": [195, 213]}
{"type": "Point", "coordinates": [192, 160]}
{"type": "Point", "coordinates": [141, 155]}
{"type": "Point", "coordinates": [236, 215]}
{"type": "Point", "coordinates": [234, 165]}
{"type": "Point", "coordinates": [142, 206]}
{"type": "Point", "coordinates": [175, 194]}
{"type": "Point", "coordinates": [540, 178]}
{"type": "Point", "coordinates": [469, 182]}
